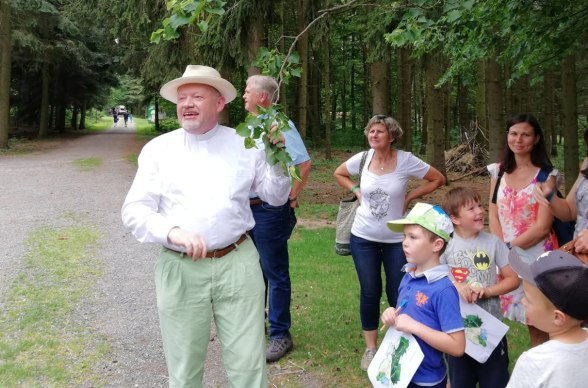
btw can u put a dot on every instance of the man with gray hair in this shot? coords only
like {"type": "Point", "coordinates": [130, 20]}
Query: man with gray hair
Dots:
{"type": "Point", "coordinates": [274, 224]}
{"type": "Point", "coordinates": [191, 195]}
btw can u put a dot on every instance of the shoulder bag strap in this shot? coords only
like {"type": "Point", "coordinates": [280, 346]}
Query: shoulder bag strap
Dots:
{"type": "Point", "coordinates": [495, 195]}
{"type": "Point", "coordinates": [361, 164]}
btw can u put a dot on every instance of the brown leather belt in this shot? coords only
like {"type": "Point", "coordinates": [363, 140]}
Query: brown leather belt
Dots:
{"type": "Point", "coordinates": [218, 253]}
{"type": "Point", "coordinates": [255, 201]}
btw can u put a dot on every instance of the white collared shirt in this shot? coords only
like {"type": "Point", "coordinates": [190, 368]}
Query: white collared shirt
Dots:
{"type": "Point", "coordinates": [200, 183]}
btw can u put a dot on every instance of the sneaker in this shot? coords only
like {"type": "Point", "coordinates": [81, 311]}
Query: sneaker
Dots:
{"type": "Point", "coordinates": [278, 348]}
{"type": "Point", "coordinates": [367, 358]}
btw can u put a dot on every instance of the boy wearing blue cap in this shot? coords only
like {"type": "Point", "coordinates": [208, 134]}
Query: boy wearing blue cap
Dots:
{"type": "Point", "coordinates": [556, 301]}
{"type": "Point", "coordinates": [428, 299]}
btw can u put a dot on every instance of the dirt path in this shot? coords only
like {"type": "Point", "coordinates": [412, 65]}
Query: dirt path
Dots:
{"type": "Point", "coordinates": [44, 189]}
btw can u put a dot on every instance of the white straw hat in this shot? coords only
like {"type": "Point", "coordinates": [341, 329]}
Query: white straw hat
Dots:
{"type": "Point", "coordinates": [197, 74]}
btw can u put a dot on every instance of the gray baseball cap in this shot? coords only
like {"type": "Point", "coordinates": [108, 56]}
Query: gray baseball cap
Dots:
{"type": "Point", "coordinates": [561, 277]}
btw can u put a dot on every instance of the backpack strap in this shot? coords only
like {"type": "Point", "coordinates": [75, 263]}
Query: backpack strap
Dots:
{"type": "Point", "coordinates": [495, 194]}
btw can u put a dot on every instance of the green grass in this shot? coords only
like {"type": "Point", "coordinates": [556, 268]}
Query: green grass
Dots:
{"type": "Point", "coordinates": [325, 313]}
{"type": "Point", "coordinates": [144, 128]}
{"type": "Point", "coordinates": [103, 123]}
{"type": "Point", "coordinates": [87, 164]}
{"type": "Point", "coordinates": [40, 342]}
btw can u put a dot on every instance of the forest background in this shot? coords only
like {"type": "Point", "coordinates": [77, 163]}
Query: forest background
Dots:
{"type": "Point", "coordinates": [451, 72]}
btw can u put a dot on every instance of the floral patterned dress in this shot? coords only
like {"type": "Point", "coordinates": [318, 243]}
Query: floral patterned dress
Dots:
{"type": "Point", "coordinates": [517, 211]}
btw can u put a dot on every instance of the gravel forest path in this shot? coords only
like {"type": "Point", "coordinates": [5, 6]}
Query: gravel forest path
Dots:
{"type": "Point", "coordinates": [39, 189]}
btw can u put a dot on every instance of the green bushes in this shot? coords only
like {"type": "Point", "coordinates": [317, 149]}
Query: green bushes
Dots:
{"type": "Point", "coordinates": [167, 125]}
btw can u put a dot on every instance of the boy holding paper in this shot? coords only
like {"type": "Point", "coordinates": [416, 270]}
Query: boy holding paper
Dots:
{"type": "Point", "coordinates": [473, 256]}
{"type": "Point", "coordinates": [430, 304]}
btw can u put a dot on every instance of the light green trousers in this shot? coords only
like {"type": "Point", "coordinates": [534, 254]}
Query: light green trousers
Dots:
{"type": "Point", "coordinates": [231, 290]}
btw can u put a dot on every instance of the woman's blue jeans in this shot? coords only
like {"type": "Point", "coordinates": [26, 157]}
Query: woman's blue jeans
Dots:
{"type": "Point", "coordinates": [368, 257]}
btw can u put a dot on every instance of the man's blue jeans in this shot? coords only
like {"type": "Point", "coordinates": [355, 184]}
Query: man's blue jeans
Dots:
{"type": "Point", "coordinates": [368, 257]}
{"type": "Point", "coordinates": [273, 227]}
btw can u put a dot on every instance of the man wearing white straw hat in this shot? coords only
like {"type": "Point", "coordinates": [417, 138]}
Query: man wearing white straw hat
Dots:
{"type": "Point", "coordinates": [191, 195]}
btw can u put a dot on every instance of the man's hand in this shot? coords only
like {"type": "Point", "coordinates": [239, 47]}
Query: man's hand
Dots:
{"type": "Point", "coordinates": [276, 139]}
{"type": "Point", "coordinates": [192, 243]}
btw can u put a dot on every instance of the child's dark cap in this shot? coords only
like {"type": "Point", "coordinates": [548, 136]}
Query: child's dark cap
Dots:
{"type": "Point", "coordinates": [561, 277]}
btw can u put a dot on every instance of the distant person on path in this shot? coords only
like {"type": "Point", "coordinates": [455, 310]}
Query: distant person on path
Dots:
{"type": "Point", "coordinates": [191, 195]}
{"type": "Point", "coordinates": [126, 117]}
{"type": "Point", "coordinates": [114, 116]}
{"type": "Point", "coordinates": [130, 117]}
{"type": "Point", "coordinates": [274, 224]}
{"type": "Point", "coordinates": [475, 257]}
{"type": "Point", "coordinates": [382, 197]}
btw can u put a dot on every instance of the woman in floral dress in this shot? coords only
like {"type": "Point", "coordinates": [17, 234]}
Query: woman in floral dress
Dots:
{"type": "Point", "coordinates": [516, 216]}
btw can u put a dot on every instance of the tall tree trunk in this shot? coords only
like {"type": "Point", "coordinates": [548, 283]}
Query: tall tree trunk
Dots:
{"type": "Point", "coordinates": [569, 110]}
{"type": "Point", "coordinates": [327, 88]}
{"type": "Point", "coordinates": [314, 112]}
{"type": "Point", "coordinates": [495, 108]}
{"type": "Point", "coordinates": [436, 113]}
{"type": "Point", "coordinates": [83, 114]}
{"type": "Point", "coordinates": [60, 108]}
{"type": "Point", "coordinates": [353, 105]}
{"type": "Point", "coordinates": [424, 107]}
{"type": "Point", "coordinates": [156, 107]}
{"type": "Point", "coordinates": [74, 116]}
{"type": "Point", "coordinates": [344, 109]}
{"type": "Point", "coordinates": [380, 81]}
{"type": "Point", "coordinates": [548, 119]}
{"type": "Point", "coordinates": [446, 89]}
{"type": "Point", "coordinates": [282, 45]}
{"type": "Point", "coordinates": [366, 98]}
{"type": "Point", "coordinates": [5, 68]}
{"type": "Point", "coordinates": [44, 117]}
{"type": "Point", "coordinates": [463, 116]}
{"type": "Point", "coordinates": [303, 50]}
{"type": "Point", "coordinates": [404, 84]}
{"type": "Point", "coordinates": [255, 34]}
{"type": "Point", "coordinates": [481, 109]}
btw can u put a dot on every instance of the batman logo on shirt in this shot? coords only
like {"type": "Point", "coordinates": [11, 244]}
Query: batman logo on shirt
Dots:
{"type": "Point", "coordinates": [481, 261]}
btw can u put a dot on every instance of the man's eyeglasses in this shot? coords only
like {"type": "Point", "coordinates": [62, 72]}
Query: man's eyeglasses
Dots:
{"type": "Point", "coordinates": [381, 117]}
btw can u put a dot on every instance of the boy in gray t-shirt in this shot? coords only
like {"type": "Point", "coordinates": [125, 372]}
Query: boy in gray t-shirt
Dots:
{"type": "Point", "coordinates": [475, 257]}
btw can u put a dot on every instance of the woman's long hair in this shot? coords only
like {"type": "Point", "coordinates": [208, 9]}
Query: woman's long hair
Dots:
{"type": "Point", "coordinates": [539, 155]}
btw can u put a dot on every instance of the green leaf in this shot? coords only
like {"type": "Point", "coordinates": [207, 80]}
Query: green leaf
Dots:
{"type": "Point", "coordinates": [203, 26]}
{"type": "Point", "coordinates": [156, 36]}
{"type": "Point", "coordinates": [297, 72]}
{"type": "Point", "coordinates": [453, 15]}
{"type": "Point", "coordinates": [243, 130]}
{"type": "Point", "coordinates": [250, 143]}
{"type": "Point", "coordinates": [178, 20]}
{"type": "Point", "coordinates": [294, 172]}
